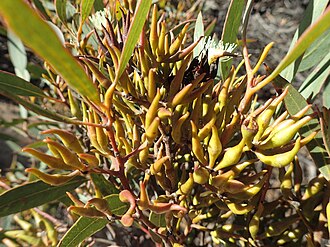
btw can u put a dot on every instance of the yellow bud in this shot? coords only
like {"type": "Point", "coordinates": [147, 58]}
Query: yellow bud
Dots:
{"type": "Point", "coordinates": [68, 157]}
{"type": "Point", "coordinates": [314, 187]}
{"type": "Point", "coordinates": [68, 139]}
{"type": "Point", "coordinates": [214, 147]}
{"type": "Point", "coordinates": [286, 183]}
{"type": "Point", "coordinates": [152, 131]}
{"type": "Point", "coordinates": [178, 98]}
{"type": "Point", "coordinates": [100, 204]}
{"type": "Point", "coordinates": [284, 136]}
{"type": "Point", "coordinates": [264, 118]}
{"type": "Point", "coordinates": [178, 41]}
{"type": "Point", "coordinates": [196, 145]}
{"type": "Point", "coordinates": [74, 107]}
{"type": "Point", "coordinates": [86, 212]}
{"type": "Point", "coordinates": [56, 179]}
{"type": "Point", "coordinates": [201, 175]}
{"type": "Point", "coordinates": [249, 129]}
{"type": "Point", "coordinates": [254, 222]}
{"type": "Point", "coordinates": [92, 161]}
{"type": "Point", "coordinates": [187, 187]}
{"type": "Point", "coordinates": [153, 38]}
{"type": "Point", "coordinates": [50, 161]}
{"type": "Point", "coordinates": [176, 129]}
{"type": "Point", "coordinates": [281, 159]}
{"type": "Point", "coordinates": [155, 167]}
{"type": "Point", "coordinates": [232, 156]}
{"type": "Point", "coordinates": [152, 111]}
{"type": "Point", "coordinates": [240, 209]}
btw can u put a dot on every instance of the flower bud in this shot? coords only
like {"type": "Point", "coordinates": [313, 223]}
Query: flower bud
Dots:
{"type": "Point", "coordinates": [196, 145]}
{"type": "Point", "coordinates": [201, 175]}
{"type": "Point", "coordinates": [249, 129]}
{"type": "Point", "coordinates": [68, 139]}
{"type": "Point", "coordinates": [176, 129]}
{"type": "Point", "coordinates": [283, 136]}
{"type": "Point", "coordinates": [187, 187]}
{"type": "Point", "coordinates": [281, 159]}
{"type": "Point", "coordinates": [232, 156]}
{"type": "Point", "coordinates": [86, 212]}
{"type": "Point", "coordinates": [50, 161]}
{"type": "Point", "coordinates": [214, 147]}
{"type": "Point", "coordinates": [56, 179]}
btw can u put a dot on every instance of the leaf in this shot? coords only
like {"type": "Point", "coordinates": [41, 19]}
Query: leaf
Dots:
{"type": "Point", "coordinates": [198, 32]}
{"type": "Point", "coordinates": [326, 94]}
{"type": "Point", "coordinates": [233, 21]}
{"type": "Point", "coordinates": [306, 39]}
{"type": "Point", "coordinates": [98, 5]}
{"type": "Point", "coordinates": [316, 52]}
{"type": "Point", "coordinates": [315, 80]}
{"type": "Point", "coordinates": [85, 227]}
{"type": "Point", "coordinates": [294, 102]}
{"type": "Point", "coordinates": [86, 8]}
{"type": "Point", "coordinates": [313, 11]}
{"type": "Point", "coordinates": [139, 18]}
{"type": "Point", "coordinates": [35, 108]}
{"type": "Point", "coordinates": [34, 194]}
{"type": "Point", "coordinates": [13, 84]}
{"type": "Point", "coordinates": [60, 6]}
{"type": "Point", "coordinates": [157, 219]}
{"type": "Point", "coordinates": [46, 44]}
{"type": "Point", "coordinates": [230, 31]}
{"type": "Point", "coordinates": [103, 185]}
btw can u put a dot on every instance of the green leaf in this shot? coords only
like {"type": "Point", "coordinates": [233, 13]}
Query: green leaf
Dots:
{"type": "Point", "coordinates": [316, 52]}
{"type": "Point", "coordinates": [35, 108]}
{"type": "Point", "coordinates": [306, 39]}
{"type": "Point", "coordinates": [230, 31]}
{"type": "Point", "coordinates": [294, 102]}
{"type": "Point", "coordinates": [86, 8]}
{"type": "Point", "coordinates": [98, 5]}
{"type": "Point", "coordinates": [34, 194]}
{"type": "Point", "coordinates": [233, 21]}
{"type": "Point", "coordinates": [13, 84]}
{"type": "Point", "coordinates": [61, 10]}
{"type": "Point", "coordinates": [103, 185]}
{"type": "Point", "coordinates": [157, 219]}
{"type": "Point", "coordinates": [133, 35]}
{"type": "Point", "coordinates": [315, 80]}
{"type": "Point", "coordinates": [326, 94]}
{"type": "Point", "coordinates": [85, 227]}
{"type": "Point", "coordinates": [198, 32]}
{"type": "Point", "coordinates": [313, 11]}
{"type": "Point", "coordinates": [46, 44]}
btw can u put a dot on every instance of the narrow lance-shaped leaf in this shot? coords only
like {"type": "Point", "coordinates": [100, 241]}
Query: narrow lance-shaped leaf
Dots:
{"type": "Point", "coordinates": [313, 11]}
{"type": "Point", "coordinates": [34, 194]}
{"type": "Point", "coordinates": [60, 6]}
{"type": "Point", "coordinates": [315, 80]}
{"type": "Point", "coordinates": [35, 108]}
{"type": "Point", "coordinates": [306, 39]}
{"type": "Point", "coordinates": [42, 39]}
{"type": "Point", "coordinates": [18, 86]}
{"type": "Point", "coordinates": [86, 8]}
{"type": "Point", "coordinates": [199, 32]}
{"type": "Point", "coordinates": [230, 30]}
{"type": "Point", "coordinates": [139, 18]}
